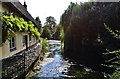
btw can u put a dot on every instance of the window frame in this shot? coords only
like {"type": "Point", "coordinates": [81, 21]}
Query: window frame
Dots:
{"type": "Point", "coordinates": [12, 44]}
{"type": "Point", "coordinates": [30, 39]}
{"type": "Point", "coordinates": [23, 40]}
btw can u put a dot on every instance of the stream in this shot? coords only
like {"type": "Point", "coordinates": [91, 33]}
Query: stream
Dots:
{"type": "Point", "coordinates": [55, 66]}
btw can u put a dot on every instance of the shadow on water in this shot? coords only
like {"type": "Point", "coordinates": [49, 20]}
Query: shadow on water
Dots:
{"type": "Point", "coordinates": [57, 67]}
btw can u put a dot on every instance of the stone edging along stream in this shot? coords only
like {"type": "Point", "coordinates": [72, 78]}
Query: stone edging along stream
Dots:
{"type": "Point", "coordinates": [37, 65]}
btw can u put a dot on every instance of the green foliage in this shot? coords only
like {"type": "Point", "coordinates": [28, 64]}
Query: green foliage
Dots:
{"type": "Point", "coordinates": [11, 24]}
{"type": "Point", "coordinates": [115, 61]}
{"type": "Point", "coordinates": [116, 74]}
{"type": "Point", "coordinates": [56, 34]}
{"type": "Point", "coordinates": [51, 23]}
{"type": "Point", "coordinates": [39, 25]}
{"type": "Point", "coordinates": [86, 37]}
{"type": "Point", "coordinates": [49, 28]}
{"type": "Point", "coordinates": [46, 33]}
{"type": "Point", "coordinates": [45, 46]}
{"type": "Point", "coordinates": [115, 34]}
{"type": "Point", "coordinates": [81, 73]}
{"type": "Point", "coordinates": [62, 35]}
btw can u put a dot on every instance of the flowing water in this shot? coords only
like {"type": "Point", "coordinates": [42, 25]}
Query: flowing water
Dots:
{"type": "Point", "coordinates": [55, 66]}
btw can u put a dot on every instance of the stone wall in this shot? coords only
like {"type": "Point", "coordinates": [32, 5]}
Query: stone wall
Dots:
{"type": "Point", "coordinates": [16, 65]}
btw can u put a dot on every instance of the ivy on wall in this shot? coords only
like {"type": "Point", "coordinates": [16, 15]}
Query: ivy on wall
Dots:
{"type": "Point", "coordinates": [11, 25]}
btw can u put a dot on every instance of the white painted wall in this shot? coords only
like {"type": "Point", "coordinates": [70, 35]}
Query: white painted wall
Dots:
{"type": "Point", "coordinates": [5, 48]}
{"type": "Point", "coordinates": [18, 44]}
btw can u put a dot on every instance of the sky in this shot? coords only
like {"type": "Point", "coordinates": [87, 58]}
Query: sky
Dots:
{"type": "Point", "coordinates": [45, 8]}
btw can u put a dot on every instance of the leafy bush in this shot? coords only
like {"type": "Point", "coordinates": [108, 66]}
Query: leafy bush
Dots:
{"type": "Point", "coordinates": [45, 46]}
{"type": "Point", "coordinates": [46, 33]}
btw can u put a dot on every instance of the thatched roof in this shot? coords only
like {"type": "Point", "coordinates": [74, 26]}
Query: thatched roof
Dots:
{"type": "Point", "coordinates": [20, 9]}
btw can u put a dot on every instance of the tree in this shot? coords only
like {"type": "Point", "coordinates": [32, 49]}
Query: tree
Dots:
{"type": "Point", "coordinates": [46, 33]}
{"type": "Point", "coordinates": [39, 25]}
{"type": "Point", "coordinates": [51, 23]}
{"type": "Point", "coordinates": [56, 34]}
{"type": "Point", "coordinates": [86, 38]}
{"type": "Point", "coordinates": [113, 57]}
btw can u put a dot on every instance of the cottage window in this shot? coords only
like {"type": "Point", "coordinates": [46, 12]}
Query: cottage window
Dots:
{"type": "Point", "coordinates": [12, 44]}
{"type": "Point", "coordinates": [24, 40]}
{"type": "Point", "coordinates": [30, 39]}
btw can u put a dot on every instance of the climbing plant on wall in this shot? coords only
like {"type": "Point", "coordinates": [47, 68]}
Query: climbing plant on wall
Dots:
{"type": "Point", "coordinates": [11, 24]}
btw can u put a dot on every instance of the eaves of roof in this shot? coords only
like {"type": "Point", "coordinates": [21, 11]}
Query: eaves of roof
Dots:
{"type": "Point", "coordinates": [17, 6]}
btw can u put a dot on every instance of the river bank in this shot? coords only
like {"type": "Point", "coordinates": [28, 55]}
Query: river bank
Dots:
{"type": "Point", "coordinates": [54, 65]}
{"type": "Point", "coordinates": [36, 67]}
